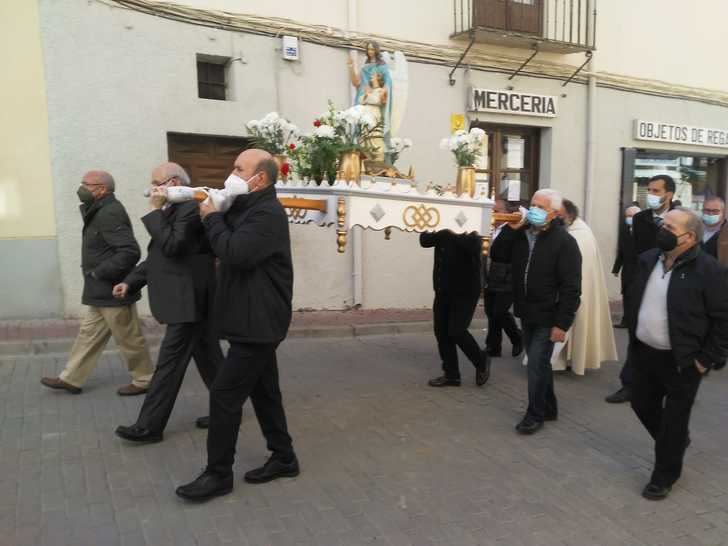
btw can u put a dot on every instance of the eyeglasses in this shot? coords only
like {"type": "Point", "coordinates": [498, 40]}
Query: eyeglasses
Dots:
{"type": "Point", "coordinates": [157, 184]}
{"type": "Point", "coordinates": [88, 185]}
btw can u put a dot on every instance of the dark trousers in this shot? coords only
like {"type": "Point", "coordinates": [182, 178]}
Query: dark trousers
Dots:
{"type": "Point", "coordinates": [497, 309]}
{"type": "Point", "coordinates": [541, 395]}
{"type": "Point", "coordinates": [451, 320]}
{"type": "Point", "coordinates": [626, 375]}
{"type": "Point", "coordinates": [181, 342]}
{"type": "Point", "coordinates": [249, 370]}
{"type": "Point", "coordinates": [662, 398]}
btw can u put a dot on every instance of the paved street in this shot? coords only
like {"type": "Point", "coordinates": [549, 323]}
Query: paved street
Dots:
{"type": "Point", "coordinates": [385, 460]}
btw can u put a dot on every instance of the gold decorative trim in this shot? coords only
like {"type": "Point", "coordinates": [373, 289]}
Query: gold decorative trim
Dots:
{"type": "Point", "coordinates": [421, 217]}
{"type": "Point", "coordinates": [341, 224]}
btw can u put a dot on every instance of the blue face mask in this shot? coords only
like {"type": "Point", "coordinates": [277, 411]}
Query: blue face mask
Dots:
{"type": "Point", "coordinates": [654, 201]}
{"type": "Point", "coordinates": [536, 216]}
{"type": "Point", "coordinates": [711, 219]}
{"type": "Point", "coordinates": [628, 221]}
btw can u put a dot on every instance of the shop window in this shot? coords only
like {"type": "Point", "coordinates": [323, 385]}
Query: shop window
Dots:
{"type": "Point", "coordinates": [211, 77]}
{"type": "Point", "coordinates": [696, 177]}
{"type": "Point", "coordinates": [510, 160]}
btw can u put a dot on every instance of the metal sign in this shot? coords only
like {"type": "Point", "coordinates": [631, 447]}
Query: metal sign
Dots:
{"type": "Point", "coordinates": [660, 131]}
{"type": "Point", "coordinates": [513, 102]}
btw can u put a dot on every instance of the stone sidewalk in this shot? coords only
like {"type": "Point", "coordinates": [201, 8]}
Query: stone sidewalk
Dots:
{"type": "Point", "coordinates": [385, 460]}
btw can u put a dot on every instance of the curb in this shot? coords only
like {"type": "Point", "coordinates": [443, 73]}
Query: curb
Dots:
{"type": "Point", "coordinates": [60, 346]}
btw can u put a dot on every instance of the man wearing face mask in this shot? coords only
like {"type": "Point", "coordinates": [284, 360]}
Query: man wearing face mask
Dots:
{"type": "Point", "coordinates": [179, 273]}
{"type": "Point", "coordinates": [253, 312]}
{"type": "Point", "coordinates": [645, 225]}
{"type": "Point", "coordinates": [678, 331]}
{"type": "Point", "coordinates": [715, 239]}
{"type": "Point", "coordinates": [546, 265]}
{"type": "Point", "coordinates": [625, 263]}
{"type": "Point", "coordinates": [108, 253]}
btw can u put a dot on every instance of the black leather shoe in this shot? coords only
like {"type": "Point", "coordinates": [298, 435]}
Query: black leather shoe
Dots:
{"type": "Point", "coordinates": [653, 491]}
{"type": "Point", "coordinates": [493, 353]}
{"type": "Point", "coordinates": [274, 468]}
{"type": "Point", "coordinates": [443, 381]}
{"type": "Point", "coordinates": [529, 426]}
{"type": "Point", "coordinates": [138, 434]}
{"type": "Point", "coordinates": [620, 397]}
{"type": "Point", "coordinates": [203, 422]}
{"type": "Point", "coordinates": [517, 349]}
{"type": "Point", "coordinates": [551, 417]}
{"type": "Point", "coordinates": [482, 372]}
{"type": "Point", "coordinates": [206, 486]}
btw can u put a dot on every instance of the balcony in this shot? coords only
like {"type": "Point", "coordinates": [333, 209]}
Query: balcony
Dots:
{"type": "Point", "coordinates": [557, 26]}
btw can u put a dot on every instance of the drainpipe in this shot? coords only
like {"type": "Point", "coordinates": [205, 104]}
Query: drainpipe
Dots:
{"type": "Point", "coordinates": [591, 132]}
{"type": "Point", "coordinates": [356, 233]}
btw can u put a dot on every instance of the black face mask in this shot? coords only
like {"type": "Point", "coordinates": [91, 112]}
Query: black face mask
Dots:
{"type": "Point", "coordinates": [666, 240]}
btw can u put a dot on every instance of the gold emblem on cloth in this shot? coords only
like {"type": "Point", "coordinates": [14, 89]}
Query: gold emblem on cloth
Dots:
{"type": "Point", "coordinates": [421, 217]}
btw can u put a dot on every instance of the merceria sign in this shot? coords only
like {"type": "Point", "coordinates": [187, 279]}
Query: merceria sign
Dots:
{"type": "Point", "coordinates": [658, 131]}
{"type": "Point", "coordinates": [512, 102]}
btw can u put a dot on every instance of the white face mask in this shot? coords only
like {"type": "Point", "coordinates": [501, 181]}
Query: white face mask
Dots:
{"type": "Point", "coordinates": [654, 201]}
{"type": "Point", "coordinates": [234, 185]}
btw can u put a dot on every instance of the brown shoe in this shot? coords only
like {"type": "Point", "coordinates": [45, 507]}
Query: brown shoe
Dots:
{"type": "Point", "coordinates": [58, 383]}
{"type": "Point", "coordinates": [131, 390]}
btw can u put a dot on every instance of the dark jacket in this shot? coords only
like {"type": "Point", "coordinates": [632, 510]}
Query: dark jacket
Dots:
{"type": "Point", "coordinates": [552, 293]}
{"type": "Point", "coordinates": [456, 270]}
{"type": "Point", "coordinates": [108, 252]}
{"type": "Point", "coordinates": [717, 245]}
{"type": "Point", "coordinates": [255, 282]}
{"type": "Point", "coordinates": [180, 268]}
{"type": "Point", "coordinates": [697, 307]}
{"type": "Point", "coordinates": [499, 277]}
{"type": "Point", "coordinates": [626, 259]}
{"type": "Point", "coordinates": [644, 230]}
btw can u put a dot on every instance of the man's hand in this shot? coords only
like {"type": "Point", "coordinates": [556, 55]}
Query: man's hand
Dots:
{"type": "Point", "coordinates": [157, 198]}
{"type": "Point", "coordinates": [207, 207]}
{"type": "Point", "coordinates": [120, 290]}
{"type": "Point", "coordinates": [558, 335]}
{"type": "Point", "coordinates": [702, 369]}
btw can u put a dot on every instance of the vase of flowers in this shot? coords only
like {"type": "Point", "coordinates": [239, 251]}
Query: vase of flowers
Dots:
{"type": "Point", "coordinates": [275, 135]}
{"type": "Point", "coordinates": [467, 149]}
{"type": "Point", "coordinates": [397, 146]}
{"type": "Point", "coordinates": [355, 127]}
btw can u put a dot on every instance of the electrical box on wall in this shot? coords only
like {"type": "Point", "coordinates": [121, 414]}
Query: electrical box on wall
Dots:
{"type": "Point", "coordinates": [290, 48]}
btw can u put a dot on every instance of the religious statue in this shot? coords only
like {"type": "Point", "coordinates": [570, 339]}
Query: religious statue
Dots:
{"type": "Point", "coordinates": [381, 86]}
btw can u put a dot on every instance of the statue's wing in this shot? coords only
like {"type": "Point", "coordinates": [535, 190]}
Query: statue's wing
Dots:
{"type": "Point", "coordinates": [400, 89]}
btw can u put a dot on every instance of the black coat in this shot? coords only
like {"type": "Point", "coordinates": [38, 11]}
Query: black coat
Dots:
{"type": "Point", "coordinates": [644, 230]}
{"type": "Point", "coordinates": [553, 290]}
{"type": "Point", "coordinates": [255, 282]}
{"type": "Point", "coordinates": [626, 259]}
{"type": "Point", "coordinates": [456, 270]}
{"type": "Point", "coordinates": [499, 277]}
{"type": "Point", "coordinates": [697, 307]}
{"type": "Point", "coordinates": [108, 252]}
{"type": "Point", "coordinates": [180, 268]}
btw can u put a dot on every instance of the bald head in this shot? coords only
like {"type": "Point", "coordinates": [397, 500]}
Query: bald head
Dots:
{"type": "Point", "coordinates": [257, 167]}
{"type": "Point", "coordinates": [172, 173]}
{"type": "Point", "coordinates": [101, 178]}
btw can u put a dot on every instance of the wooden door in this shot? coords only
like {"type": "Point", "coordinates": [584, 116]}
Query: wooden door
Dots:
{"type": "Point", "coordinates": [207, 159]}
{"type": "Point", "coordinates": [522, 16]}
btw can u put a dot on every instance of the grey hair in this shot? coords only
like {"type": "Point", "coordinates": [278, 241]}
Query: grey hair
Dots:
{"type": "Point", "coordinates": [554, 196]}
{"type": "Point", "coordinates": [107, 180]}
{"type": "Point", "coordinates": [270, 168]}
{"type": "Point", "coordinates": [694, 223]}
{"type": "Point", "coordinates": [175, 170]}
{"type": "Point", "coordinates": [715, 198]}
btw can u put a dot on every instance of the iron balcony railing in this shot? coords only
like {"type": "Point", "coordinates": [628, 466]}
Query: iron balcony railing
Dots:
{"type": "Point", "coordinates": [564, 26]}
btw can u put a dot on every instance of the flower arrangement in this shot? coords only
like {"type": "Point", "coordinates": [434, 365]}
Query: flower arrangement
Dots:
{"type": "Point", "coordinates": [318, 153]}
{"type": "Point", "coordinates": [466, 147]}
{"type": "Point", "coordinates": [273, 133]}
{"type": "Point", "coordinates": [354, 126]}
{"type": "Point", "coordinates": [397, 146]}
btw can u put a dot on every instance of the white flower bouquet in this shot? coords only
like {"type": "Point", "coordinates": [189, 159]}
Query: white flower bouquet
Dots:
{"type": "Point", "coordinates": [466, 147]}
{"type": "Point", "coordinates": [273, 133]}
{"type": "Point", "coordinates": [397, 146]}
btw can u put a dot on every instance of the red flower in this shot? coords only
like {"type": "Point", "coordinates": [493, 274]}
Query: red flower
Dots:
{"type": "Point", "coordinates": [285, 169]}
{"type": "Point", "coordinates": [291, 146]}
{"type": "Point", "coordinates": [317, 123]}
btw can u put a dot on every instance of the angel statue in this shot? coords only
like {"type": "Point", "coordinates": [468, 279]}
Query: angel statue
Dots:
{"type": "Point", "coordinates": [381, 86]}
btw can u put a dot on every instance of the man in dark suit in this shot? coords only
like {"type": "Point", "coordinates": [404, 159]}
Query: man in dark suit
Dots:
{"type": "Point", "coordinates": [715, 240]}
{"type": "Point", "coordinates": [499, 290]}
{"type": "Point", "coordinates": [180, 275]}
{"type": "Point", "coordinates": [626, 260]}
{"type": "Point", "coordinates": [253, 308]}
{"type": "Point", "coordinates": [678, 331]}
{"type": "Point", "coordinates": [456, 281]}
{"type": "Point", "coordinates": [645, 225]}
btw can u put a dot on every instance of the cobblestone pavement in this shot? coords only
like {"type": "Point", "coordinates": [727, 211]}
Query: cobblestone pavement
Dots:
{"type": "Point", "coordinates": [385, 460]}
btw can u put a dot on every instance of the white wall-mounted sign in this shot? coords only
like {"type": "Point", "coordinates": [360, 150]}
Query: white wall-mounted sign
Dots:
{"type": "Point", "coordinates": [512, 102]}
{"type": "Point", "coordinates": [660, 131]}
{"type": "Point", "coordinates": [290, 48]}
